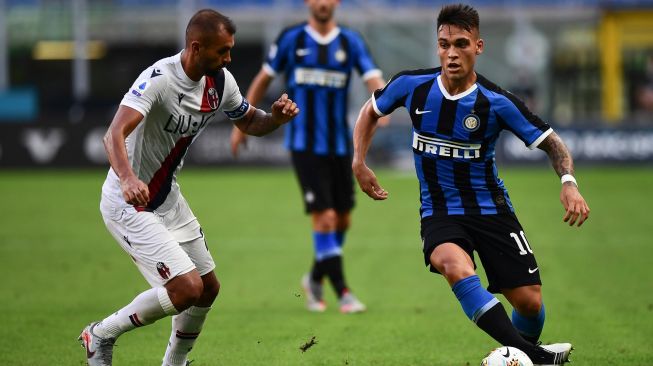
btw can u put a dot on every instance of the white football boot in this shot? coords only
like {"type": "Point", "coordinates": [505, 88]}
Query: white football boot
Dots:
{"type": "Point", "coordinates": [559, 351]}
{"type": "Point", "coordinates": [349, 304]}
{"type": "Point", "coordinates": [313, 293]}
{"type": "Point", "coordinates": [187, 363]}
{"type": "Point", "coordinates": [99, 351]}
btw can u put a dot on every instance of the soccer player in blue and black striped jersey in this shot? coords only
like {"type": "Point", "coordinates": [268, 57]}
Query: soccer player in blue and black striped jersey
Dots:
{"type": "Point", "coordinates": [457, 116]}
{"type": "Point", "coordinates": [317, 58]}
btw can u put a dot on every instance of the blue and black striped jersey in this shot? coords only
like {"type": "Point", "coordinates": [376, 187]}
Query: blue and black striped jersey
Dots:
{"type": "Point", "coordinates": [318, 70]}
{"type": "Point", "coordinates": [454, 139]}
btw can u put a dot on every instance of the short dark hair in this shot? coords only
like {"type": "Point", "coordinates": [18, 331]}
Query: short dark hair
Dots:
{"type": "Point", "coordinates": [207, 22]}
{"type": "Point", "coordinates": [463, 16]}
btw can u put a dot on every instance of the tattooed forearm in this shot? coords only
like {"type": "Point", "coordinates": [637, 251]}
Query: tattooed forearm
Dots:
{"type": "Point", "coordinates": [558, 154]}
{"type": "Point", "coordinates": [259, 124]}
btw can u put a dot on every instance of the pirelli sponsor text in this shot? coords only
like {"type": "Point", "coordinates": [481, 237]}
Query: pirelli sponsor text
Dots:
{"type": "Point", "coordinates": [446, 148]}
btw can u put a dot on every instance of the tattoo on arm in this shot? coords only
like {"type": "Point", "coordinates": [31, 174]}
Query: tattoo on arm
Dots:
{"type": "Point", "coordinates": [259, 124]}
{"type": "Point", "coordinates": [558, 154]}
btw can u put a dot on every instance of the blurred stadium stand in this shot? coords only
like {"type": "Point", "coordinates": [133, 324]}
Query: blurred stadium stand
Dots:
{"type": "Point", "coordinates": [584, 66]}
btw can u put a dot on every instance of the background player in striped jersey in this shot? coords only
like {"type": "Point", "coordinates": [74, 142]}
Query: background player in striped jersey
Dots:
{"type": "Point", "coordinates": [457, 116]}
{"type": "Point", "coordinates": [168, 106]}
{"type": "Point", "coordinates": [317, 58]}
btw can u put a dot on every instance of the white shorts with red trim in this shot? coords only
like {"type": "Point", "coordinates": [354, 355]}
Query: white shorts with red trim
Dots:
{"type": "Point", "coordinates": [163, 246]}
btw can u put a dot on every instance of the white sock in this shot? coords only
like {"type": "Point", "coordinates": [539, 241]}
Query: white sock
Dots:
{"type": "Point", "coordinates": [186, 327]}
{"type": "Point", "coordinates": [145, 309]}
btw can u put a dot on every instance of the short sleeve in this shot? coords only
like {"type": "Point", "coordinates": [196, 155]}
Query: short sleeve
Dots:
{"type": "Point", "coordinates": [147, 90]}
{"type": "Point", "coordinates": [364, 62]}
{"type": "Point", "coordinates": [277, 57]}
{"type": "Point", "coordinates": [516, 117]}
{"type": "Point", "coordinates": [234, 105]}
{"type": "Point", "coordinates": [392, 96]}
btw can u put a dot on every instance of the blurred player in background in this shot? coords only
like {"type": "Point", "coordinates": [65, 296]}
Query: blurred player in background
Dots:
{"type": "Point", "coordinates": [168, 106]}
{"type": "Point", "coordinates": [317, 58]}
{"type": "Point", "coordinates": [457, 116]}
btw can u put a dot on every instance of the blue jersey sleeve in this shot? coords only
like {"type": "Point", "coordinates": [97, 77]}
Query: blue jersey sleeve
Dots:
{"type": "Point", "coordinates": [516, 118]}
{"type": "Point", "coordinates": [279, 53]}
{"type": "Point", "coordinates": [392, 96]}
{"type": "Point", "coordinates": [363, 60]}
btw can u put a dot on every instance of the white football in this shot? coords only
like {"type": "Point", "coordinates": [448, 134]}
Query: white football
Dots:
{"type": "Point", "coordinates": [506, 356]}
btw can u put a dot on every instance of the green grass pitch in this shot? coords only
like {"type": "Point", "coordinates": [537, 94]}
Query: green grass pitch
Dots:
{"type": "Point", "coordinates": [61, 269]}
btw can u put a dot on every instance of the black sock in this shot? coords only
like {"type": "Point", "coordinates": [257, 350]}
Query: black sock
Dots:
{"type": "Point", "coordinates": [333, 268]}
{"type": "Point", "coordinates": [530, 339]}
{"type": "Point", "coordinates": [495, 322]}
{"type": "Point", "coordinates": [318, 271]}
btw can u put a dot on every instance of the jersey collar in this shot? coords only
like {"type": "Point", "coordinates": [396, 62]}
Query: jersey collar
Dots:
{"type": "Point", "coordinates": [457, 96]}
{"type": "Point", "coordinates": [182, 74]}
{"type": "Point", "coordinates": [320, 39]}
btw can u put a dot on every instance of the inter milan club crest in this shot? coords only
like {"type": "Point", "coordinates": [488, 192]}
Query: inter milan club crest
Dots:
{"type": "Point", "coordinates": [163, 270]}
{"type": "Point", "coordinates": [341, 55]}
{"type": "Point", "coordinates": [212, 97]}
{"type": "Point", "coordinates": [471, 122]}
{"type": "Point", "coordinates": [500, 200]}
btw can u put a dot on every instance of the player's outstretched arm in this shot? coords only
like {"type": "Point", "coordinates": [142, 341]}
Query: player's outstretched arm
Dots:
{"type": "Point", "coordinates": [255, 94]}
{"type": "Point", "coordinates": [365, 127]}
{"type": "Point", "coordinates": [258, 123]}
{"type": "Point", "coordinates": [576, 209]}
{"type": "Point", "coordinates": [134, 191]}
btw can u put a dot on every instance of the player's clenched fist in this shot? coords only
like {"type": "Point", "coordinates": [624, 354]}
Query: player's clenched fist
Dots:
{"type": "Point", "coordinates": [284, 109]}
{"type": "Point", "coordinates": [135, 191]}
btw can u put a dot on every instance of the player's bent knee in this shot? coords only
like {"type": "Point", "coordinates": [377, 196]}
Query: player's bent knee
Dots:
{"type": "Point", "coordinates": [185, 290]}
{"type": "Point", "coordinates": [452, 267]}
{"type": "Point", "coordinates": [343, 221]}
{"type": "Point", "coordinates": [325, 221]}
{"type": "Point", "coordinates": [529, 306]}
{"type": "Point", "coordinates": [454, 271]}
{"type": "Point", "coordinates": [211, 289]}
{"type": "Point", "coordinates": [527, 300]}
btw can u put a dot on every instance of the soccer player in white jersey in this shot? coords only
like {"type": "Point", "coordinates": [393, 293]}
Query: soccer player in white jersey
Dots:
{"type": "Point", "coordinates": [167, 107]}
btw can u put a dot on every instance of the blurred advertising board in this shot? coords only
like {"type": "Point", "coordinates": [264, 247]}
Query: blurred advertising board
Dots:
{"type": "Point", "coordinates": [613, 145]}
{"type": "Point", "coordinates": [80, 145]}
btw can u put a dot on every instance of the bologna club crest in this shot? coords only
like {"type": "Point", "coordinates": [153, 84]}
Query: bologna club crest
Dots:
{"type": "Point", "coordinates": [163, 270]}
{"type": "Point", "coordinates": [212, 98]}
{"type": "Point", "coordinates": [212, 92]}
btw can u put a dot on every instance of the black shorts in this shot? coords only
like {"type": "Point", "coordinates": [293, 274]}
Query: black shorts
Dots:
{"type": "Point", "coordinates": [499, 241]}
{"type": "Point", "coordinates": [326, 181]}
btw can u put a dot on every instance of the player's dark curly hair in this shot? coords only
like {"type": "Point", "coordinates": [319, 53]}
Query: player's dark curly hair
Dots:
{"type": "Point", "coordinates": [463, 16]}
{"type": "Point", "coordinates": [209, 21]}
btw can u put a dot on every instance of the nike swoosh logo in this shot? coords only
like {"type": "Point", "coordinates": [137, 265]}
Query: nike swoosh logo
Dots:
{"type": "Point", "coordinates": [417, 111]}
{"type": "Point", "coordinates": [507, 353]}
{"type": "Point", "coordinates": [301, 52]}
{"type": "Point", "coordinates": [533, 270]}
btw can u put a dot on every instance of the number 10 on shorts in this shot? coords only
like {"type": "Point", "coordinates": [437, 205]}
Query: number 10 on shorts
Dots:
{"type": "Point", "coordinates": [520, 245]}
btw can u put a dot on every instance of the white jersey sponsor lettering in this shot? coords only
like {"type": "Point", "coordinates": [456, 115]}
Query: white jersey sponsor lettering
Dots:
{"type": "Point", "coordinates": [176, 109]}
{"type": "Point", "coordinates": [328, 78]}
{"type": "Point", "coordinates": [445, 148]}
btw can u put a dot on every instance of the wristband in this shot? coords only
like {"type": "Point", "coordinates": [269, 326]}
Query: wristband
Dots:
{"type": "Point", "coordinates": [568, 178]}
